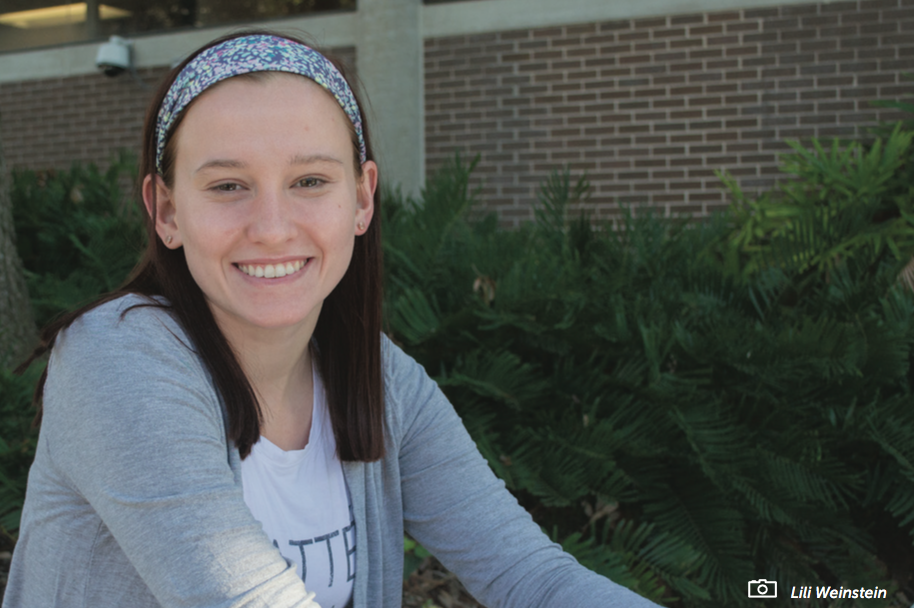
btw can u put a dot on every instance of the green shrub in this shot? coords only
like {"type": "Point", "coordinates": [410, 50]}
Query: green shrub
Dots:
{"type": "Point", "coordinates": [684, 407]}
{"type": "Point", "coordinates": [77, 235]}
{"type": "Point", "coordinates": [17, 443]}
{"type": "Point", "coordinates": [846, 201]}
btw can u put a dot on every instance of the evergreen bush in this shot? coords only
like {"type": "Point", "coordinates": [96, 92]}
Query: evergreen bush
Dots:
{"type": "Point", "coordinates": [17, 443]}
{"type": "Point", "coordinates": [685, 406]}
{"type": "Point", "coordinates": [77, 234]}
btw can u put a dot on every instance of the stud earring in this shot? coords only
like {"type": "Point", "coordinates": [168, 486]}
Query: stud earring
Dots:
{"type": "Point", "coordinates": [168, 240]}
{"type": "Point", "coordinates": [361, 225]}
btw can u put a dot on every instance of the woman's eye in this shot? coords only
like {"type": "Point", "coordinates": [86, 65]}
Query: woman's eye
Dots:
{"type": "Point", "coordinates": [309, 182]}
{"type": "Point", "coordinates": [230, 187]}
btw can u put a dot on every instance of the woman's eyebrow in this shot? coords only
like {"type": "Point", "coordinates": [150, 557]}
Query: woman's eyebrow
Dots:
{"type": "Point", "coordinates": [300, 159]}
{"type": "Point", "coordinates": [221, 163]}
{"type": "Point", "coordinates": [297, 159]}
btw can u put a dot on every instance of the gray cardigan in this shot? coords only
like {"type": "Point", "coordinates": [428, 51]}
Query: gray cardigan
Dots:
{"type": "Point", "coordinates": [134, 498]}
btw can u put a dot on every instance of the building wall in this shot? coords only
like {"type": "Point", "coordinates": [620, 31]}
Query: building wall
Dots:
{"type": "Point", "coordinates": [55, 122]}
{"type": "Point", "coordinates": [50, 123]}
{"type": "Point", "coordinates": [651, 108]}
{"type": "Point", "coordinates": [647, 98]}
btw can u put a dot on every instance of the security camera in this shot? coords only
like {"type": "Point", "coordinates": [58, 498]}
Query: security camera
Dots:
{"type": "Point", "coordinates": [113, 57]}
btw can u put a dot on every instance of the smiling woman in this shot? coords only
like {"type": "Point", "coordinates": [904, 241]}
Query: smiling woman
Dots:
{"type": "Point", "coordinates": [231, 427]}
{"type": "Point", "coordinates": [295, 221]}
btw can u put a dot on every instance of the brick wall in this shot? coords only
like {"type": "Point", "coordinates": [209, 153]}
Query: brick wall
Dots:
{"type": "Point", "coordinates": [52, 123]}
{"type": "Point", "coordinates": [651, 108]}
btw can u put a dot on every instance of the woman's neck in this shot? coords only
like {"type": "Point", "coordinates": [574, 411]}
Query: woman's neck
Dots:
{"type": "Point", "coordinates": [278, 366]}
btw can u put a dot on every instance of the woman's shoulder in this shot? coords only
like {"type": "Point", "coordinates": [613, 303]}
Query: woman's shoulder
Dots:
{"type": "Point", "coordinates": [394, 360]}
{"type": "Point", "coordinates": [125, 331]}
{"type": "Point", "coordinates": [409, 391]}
{"type": "Point", "coordinates": [128, 346]}
{"type": "Point", "coordinates": [129, 317]}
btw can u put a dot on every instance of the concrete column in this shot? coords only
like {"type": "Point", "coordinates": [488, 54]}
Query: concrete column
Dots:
{"type": "Point", "coordinates": [389, 65]}
{"type": "Point", "coordinates": [92, 19]}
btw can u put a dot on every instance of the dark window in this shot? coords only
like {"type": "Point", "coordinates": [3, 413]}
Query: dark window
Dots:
{"type": "Point", "coordinates": [26, 24]}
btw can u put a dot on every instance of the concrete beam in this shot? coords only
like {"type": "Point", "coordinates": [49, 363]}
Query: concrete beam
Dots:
{"type": "Point", "coordinates": [165, 49]}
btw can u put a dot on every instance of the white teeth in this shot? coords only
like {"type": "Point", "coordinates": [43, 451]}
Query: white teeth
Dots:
{"type": "Point", "coordinates": [271, 271]}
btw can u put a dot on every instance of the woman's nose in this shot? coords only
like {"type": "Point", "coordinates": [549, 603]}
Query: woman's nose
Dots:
{"type": "Point", "coordinates": [271, 222]}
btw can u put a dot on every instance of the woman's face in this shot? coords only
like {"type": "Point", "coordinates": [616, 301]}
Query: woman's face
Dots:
{"type": "Point", "coordinates": [266, 200]}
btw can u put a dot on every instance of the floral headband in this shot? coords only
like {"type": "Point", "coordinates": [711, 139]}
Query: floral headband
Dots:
{"type": "Point", "coordinates": [257, 53]}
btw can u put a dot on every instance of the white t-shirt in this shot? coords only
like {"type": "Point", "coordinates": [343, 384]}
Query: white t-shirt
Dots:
{"type": "Point", "coordinates": [300, 498]}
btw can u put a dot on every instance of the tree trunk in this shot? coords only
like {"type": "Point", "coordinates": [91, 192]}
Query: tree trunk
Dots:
{"type": "Point", "coordinates": [18, 334]}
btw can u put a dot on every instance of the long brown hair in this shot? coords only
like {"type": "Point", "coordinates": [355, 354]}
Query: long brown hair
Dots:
{"type": "Point", "coordinates": [347, 337]}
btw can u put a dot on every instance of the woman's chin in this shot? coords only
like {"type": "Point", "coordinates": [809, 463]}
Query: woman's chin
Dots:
{"type": "Point", "coordinates": [266, 319]}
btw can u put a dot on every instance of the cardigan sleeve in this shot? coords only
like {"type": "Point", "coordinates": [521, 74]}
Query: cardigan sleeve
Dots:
{"type": "Point", "coordinates": [133, 423]}
{"type": "Point", "coordinates": [460, 511]}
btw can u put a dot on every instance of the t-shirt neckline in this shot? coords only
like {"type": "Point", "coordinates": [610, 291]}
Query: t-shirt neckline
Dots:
{"type": "Point", "coordinates": [268, 450]}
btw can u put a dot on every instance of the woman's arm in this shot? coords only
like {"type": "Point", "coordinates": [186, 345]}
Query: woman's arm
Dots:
{"type": "Point", "coordinates": [455, 507]}
{"type": "Point", "coordinates": [134, 426]}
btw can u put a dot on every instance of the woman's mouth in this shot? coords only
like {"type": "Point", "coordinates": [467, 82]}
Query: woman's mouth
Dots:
{"type": "Point", "coordinates": [271, 271]}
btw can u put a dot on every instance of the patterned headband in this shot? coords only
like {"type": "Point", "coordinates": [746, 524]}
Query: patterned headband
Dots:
{"type": "Point", "coordinates": [253, 54]}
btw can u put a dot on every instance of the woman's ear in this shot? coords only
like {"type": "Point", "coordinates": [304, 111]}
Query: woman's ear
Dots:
{"type": "Point", "coordinates": [161, 207]}
{"type": "Point", "coordinates": [367, 185]}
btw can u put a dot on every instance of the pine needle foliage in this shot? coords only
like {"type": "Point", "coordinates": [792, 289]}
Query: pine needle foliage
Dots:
{"type": "Point", "coordinates": [77, 234]}
{"type": "Point", "coordinates": [685, 406]}
{"type": "Point", "coordinates": [18, 440]}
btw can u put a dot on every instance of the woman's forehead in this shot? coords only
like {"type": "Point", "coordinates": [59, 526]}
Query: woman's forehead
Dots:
{"type": "Point", "coordinates": [252, 81]}
{"type": "Point", "coordinates": [285, 109]}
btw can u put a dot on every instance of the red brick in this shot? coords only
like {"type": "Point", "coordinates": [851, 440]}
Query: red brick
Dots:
{"type": "Point", "coordinates": [745, 26]}
{"type": "Point", "coordinates": [705, 77]}
{"type": "Point", "coordinates": [717, 17]}
{"type": "Point", "coordinates": [765, 37]}
{"type": "Point", "coordinates": [633, 36]}
{"type": "Point", "coordinates": [706, 30]}
{"type": "Point", "coordinates": [742, 51]}
{"type": "Point", "coordinates": [721, 112]}
{"type": "Point", "coordinates": [859, 17]}
{"type": "Point", "coordinates": [686, 67]}
{"type": "Point", "coordinates": [705, 101]}
{"type": "Point", "coordinates": [705, 54]}
{"type": "Point", "coordinates": [669, 33]}
{"type": "Point", "coordinates": [667, 80]}
{"type": "Point", "coordinates": [839, 7]}
{"type": "Point", "coordinates": [686, 42]}
{"type": "Point", "coordinates": [878, 53]}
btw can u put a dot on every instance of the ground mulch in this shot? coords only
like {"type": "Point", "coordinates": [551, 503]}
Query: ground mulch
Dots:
{"type": "Point", "coordinates": [432, 586]}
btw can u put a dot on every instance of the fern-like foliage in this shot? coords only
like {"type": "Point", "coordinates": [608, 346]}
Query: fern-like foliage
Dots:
{"type": "Point", "coordinates": [77, 235]}
{"type": "Point", "coordinates": [843, 201]}
{"type": "Point", "coordinates": [18, 440]}
{"type": "Point", "coordinates": [736, 390]}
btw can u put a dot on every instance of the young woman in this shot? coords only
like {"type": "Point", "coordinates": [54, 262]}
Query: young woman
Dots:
{"type": "Point", "coordinates": [231, 428]}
